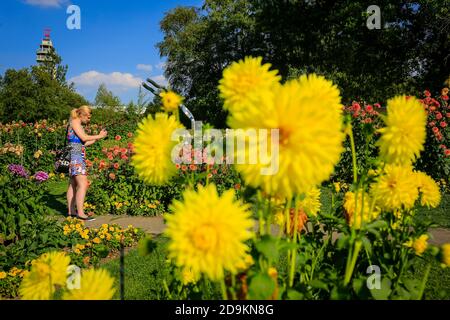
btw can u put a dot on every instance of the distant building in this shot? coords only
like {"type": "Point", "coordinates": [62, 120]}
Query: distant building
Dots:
{"type": "Point", "coordinates": [46, 51]}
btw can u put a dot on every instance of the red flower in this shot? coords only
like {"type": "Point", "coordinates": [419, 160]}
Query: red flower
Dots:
{"type": "Point", "coordinates": [443, 146]}
{"type": "Point", "coordinates": [110, 157]}
{"type": "Point", "coordinates": [116, 166]}
{"type": "Point", "coordinates": [177, 166]}
{"type": "Point", "coordinates": [237, 186]}
{"type": "Point", "coordinates": [89, 163]}
{"type": "Point", "coordinates": [356, 106]}
{"type": "Point", "coordinates": [435, 129]}
{"type": "Point", "coordinates": [214, 171]}
{"type": "Point", "coordinates": [369, 108]}
{"type": "Point", "coordinates": [124, 157]}
{"type": "Point", "coordinates": [438, 115]}
{"type": "Point", "coordinates": [102, 165]}
{"type": "Point", "coordinates": [445, 98]}
{"type": "Point", "coordinates": [123, 150]}
{"type": "Point", "coordinates": [118, 138]}
{"type": "Point", "coordinates": [443, 124]}
{"type": "Point", "coordinates": [448, 114]}
{"type": "Point", "coordinates": [427, 93]}
{"type": "Point", "coordinates": [377, 105]}
{"type": "Point", "coordinates": [432, 123]}
{"type": "Point", "coordinates": [447, 152]}
{"type": "Point", "coordinates": [129, 134]}
{"type": "Point", "coordinates": [116, 152]}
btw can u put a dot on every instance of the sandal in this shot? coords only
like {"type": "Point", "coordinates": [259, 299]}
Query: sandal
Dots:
{"type": "Point", "coordinates": [86, 219]}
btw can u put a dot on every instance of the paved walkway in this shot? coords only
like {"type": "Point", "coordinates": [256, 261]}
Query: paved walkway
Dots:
{"type": "Point", "coordinates": [156, 226]}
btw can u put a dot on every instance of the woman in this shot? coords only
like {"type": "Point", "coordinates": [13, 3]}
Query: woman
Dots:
{"type": "Point", "coordinates": [78, 140]}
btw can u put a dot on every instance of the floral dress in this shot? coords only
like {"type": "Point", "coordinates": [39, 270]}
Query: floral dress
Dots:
{"type": "Point", "coordinates": [77, 154]}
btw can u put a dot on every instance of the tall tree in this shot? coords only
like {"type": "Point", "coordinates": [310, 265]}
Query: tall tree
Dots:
{"type": "Point", "coordinates": [105, 98]}
{"type": "Point", "coordinates": [409, 53]}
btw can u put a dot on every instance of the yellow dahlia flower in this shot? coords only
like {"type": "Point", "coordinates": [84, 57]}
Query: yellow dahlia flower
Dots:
{"type": "Point", "coordinates": [207, 232]}
{"type": "Point", "coordinates": [404, 135]}
{"type": "Point", "coordinates": [308, 114]}
{"type": "Point", "coordinates": [395, 188]}
{"type": "Point", "coordinates": [243, 79]}
{"type": "Point", "coordinates": [94, 285]}
{"type": "Point", "coordinates": [360, 206]}
{"type": "Point", "coordinates": [170, 100]}
{"type": "Point", "coordinates": [48, 270]}
{"type": "Point", "coordinates": [188, 276]}
{"type": "Point", "coordinates": [153, 148]}
{"type": "Point", "coordinates": [429, 190]}
{"type": "Point", "coordinates": [311, 202]}
{"type": "Point", "coordinates": [446, 254]}
{"type": "Point", "coordinates": [419, 244]}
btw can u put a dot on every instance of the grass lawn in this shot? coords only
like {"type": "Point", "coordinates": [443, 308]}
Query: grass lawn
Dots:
{"type": "Point", "coordinates": [56, 197]}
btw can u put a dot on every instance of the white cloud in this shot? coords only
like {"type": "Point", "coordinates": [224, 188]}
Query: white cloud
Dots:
{"type": "Point", "coordinates": [116, 81]}
{"type": "Point", "coordinates": [46, 3]}
{"type": "Point", "coordinates": [160, 79]}
{"type": "Point", "coordinates": [144, 67]}
{"type": "Point", "coordinates": [161, 65]}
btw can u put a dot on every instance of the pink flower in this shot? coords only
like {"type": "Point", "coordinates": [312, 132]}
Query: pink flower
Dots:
{"type": "Point", "coordinates": [117, 138]}
{"type": "Point", "coordinates": [443, 124]}
{"type": "Point", "coordinates": [427, 93]}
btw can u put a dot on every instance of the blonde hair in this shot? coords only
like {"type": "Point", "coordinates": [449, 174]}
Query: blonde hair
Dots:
{"type": "Point", "coordinates": [75, 113]}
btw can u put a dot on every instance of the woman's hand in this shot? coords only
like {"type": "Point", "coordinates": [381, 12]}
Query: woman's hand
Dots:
{"type": "Point", "coordinates": [103, 134]}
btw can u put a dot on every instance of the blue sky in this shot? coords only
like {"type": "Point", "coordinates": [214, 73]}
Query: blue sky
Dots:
{"type": "Point", "coordinates": [116, 43]}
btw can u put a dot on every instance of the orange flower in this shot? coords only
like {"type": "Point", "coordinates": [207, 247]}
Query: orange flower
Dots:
{"type": "Point", "coordinates": [301, 221]}
{"type": "Point", "coordinates": [129, 135]}
{"type": "Point", "coordinates": [112, 176]}
{"type": "Point", "coordinates": [183, 168]}
{"type": "Point", "coordinates": [193, 167]}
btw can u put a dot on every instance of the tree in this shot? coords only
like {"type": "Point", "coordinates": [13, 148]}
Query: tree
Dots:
{"type": "Point", "coordinates": [106, 98]}
{"type": "Point", "coordinates": [198, 44]}
{"type": "Point", "coordinates": [33, 94]}
{"type": "Point", "coordinates": [409, 53]}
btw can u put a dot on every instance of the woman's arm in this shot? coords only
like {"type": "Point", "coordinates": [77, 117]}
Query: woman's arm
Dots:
{"type": "Point", "coordinates": [78, 128]}
{"type": "Point", "coordinates": [88, 143]}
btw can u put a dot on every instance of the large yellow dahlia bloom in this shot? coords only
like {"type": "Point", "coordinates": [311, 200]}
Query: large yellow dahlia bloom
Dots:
{"type": "Point", "coordinates": [207, 232]}
{"type": "Point", "coordinates": [153, 148]}
{"type": "Point", "coordinates": [308, 114]}
{"type": "Point", "coordinates": [396, 188]}
{"type": "Point", "coordinates": [243, 79]}
{"type": "Point", "coordinates": [48, 270]}
{"type": "Point", "coordinates": [94, 285]}
{"type": "Point", "coordinates": [430, 195]}
{"type": "Point", "coordinates": [404, 135]}
{"type": "Point", "coordinates": [359, 208]}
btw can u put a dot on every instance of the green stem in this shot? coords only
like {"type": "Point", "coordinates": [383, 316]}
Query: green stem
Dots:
{"type": "Point", "coordinates": [355, 167]}
{"type": "Point", "coordinates": [424, 281]}
{"type": "Point", "coordinates": [349, 272]}
{"type": "Point", "coordinates": [294, 239]}
{"type": "Point", "coordinates": [224, 289]}
{"type": "Point", "coordinates": [167, 289]}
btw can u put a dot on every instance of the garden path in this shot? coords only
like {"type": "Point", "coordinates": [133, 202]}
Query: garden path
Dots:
{"type": "Point", "coordinates": [156, 226]}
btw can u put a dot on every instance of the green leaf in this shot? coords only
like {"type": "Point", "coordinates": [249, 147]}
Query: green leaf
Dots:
{"type": "Point", "coordinates": [384, 291]}
{"type": "Point", "coordinates": [267, 245]}
{"type": "Point", "coordinates": [261, 287]}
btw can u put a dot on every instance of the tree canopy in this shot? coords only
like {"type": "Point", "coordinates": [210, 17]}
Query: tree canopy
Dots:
{"type": "Point", "coordinates": [408, 54]}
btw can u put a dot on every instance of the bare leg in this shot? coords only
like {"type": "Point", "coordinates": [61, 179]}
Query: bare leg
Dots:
{"type": "Point", "coordinates": [71, 192]}
{"type": "Point", "coordinates": [82, 185]}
